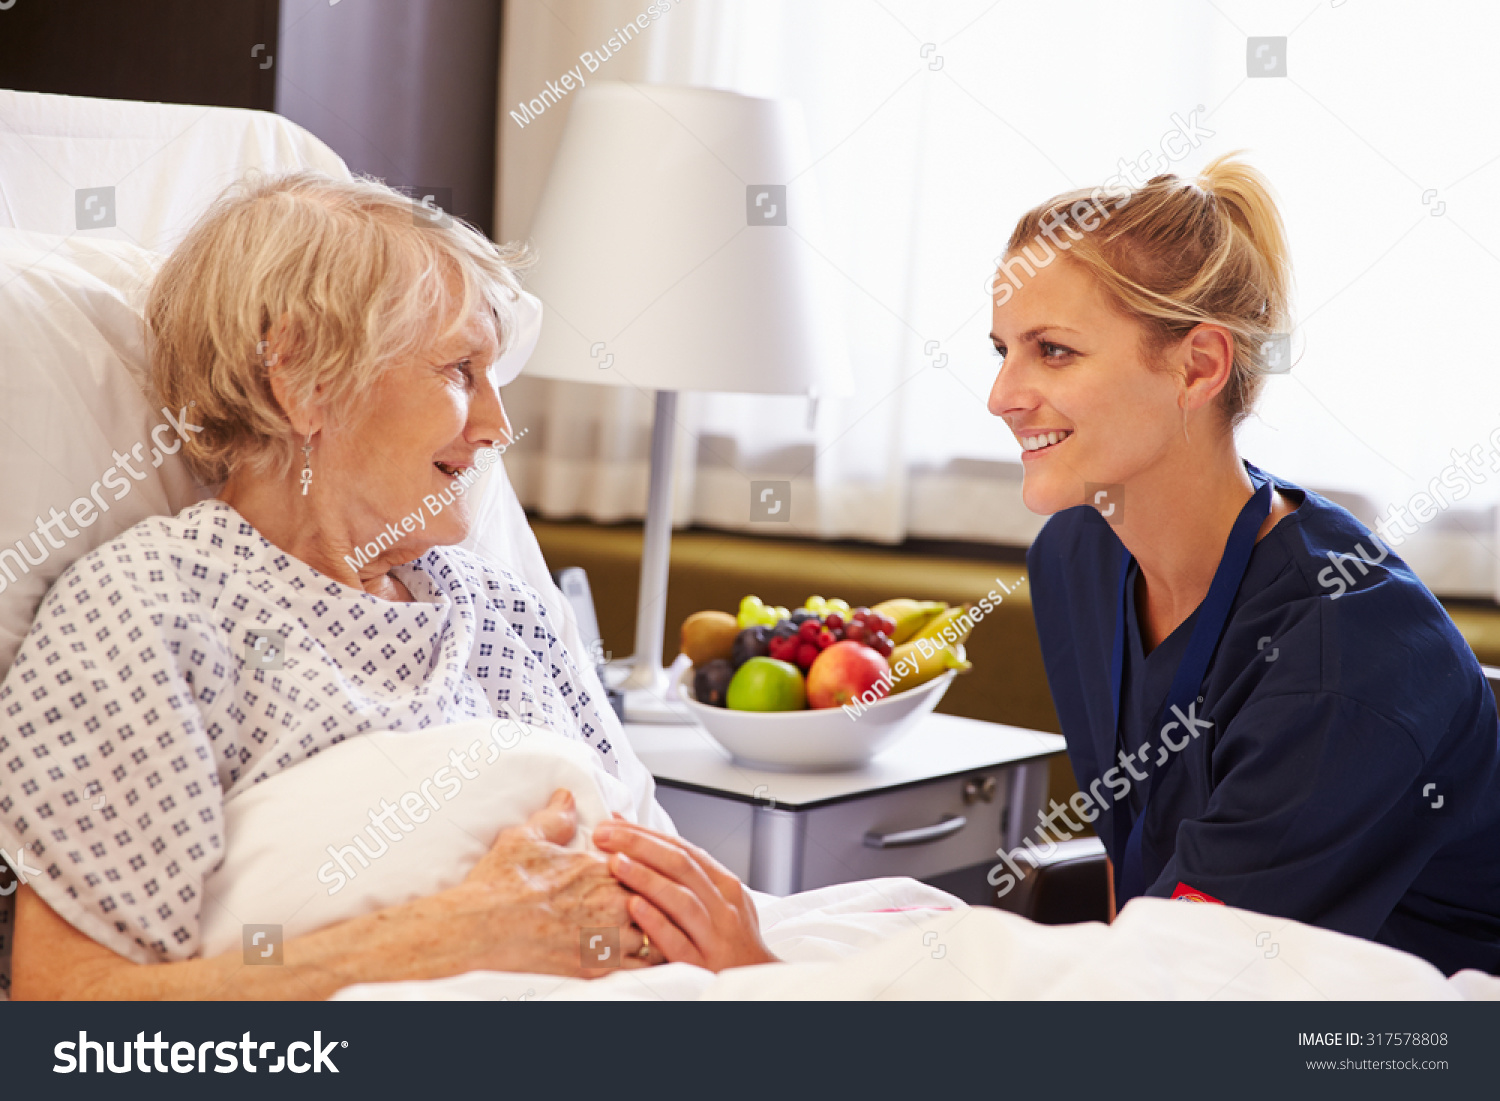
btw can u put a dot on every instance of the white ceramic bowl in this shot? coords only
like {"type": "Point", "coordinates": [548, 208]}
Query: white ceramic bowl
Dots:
{"type": "Point", "coordinates": [825, 740]}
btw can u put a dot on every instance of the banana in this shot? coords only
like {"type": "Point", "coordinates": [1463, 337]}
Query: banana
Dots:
{"type": "Point", "coordinates": [909, 615]}
{"type": "Point", "coordinates": [911, 667]}
{"type": "Point", "coordinates": [951, 627]}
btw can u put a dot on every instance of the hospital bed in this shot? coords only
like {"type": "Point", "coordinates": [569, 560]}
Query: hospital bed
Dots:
{"type": "Point", "coordinates": [93, 191]}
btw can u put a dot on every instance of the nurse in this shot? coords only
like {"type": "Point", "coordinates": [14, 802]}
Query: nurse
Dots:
{"type": "Point", "coordinates": [1247, 725]}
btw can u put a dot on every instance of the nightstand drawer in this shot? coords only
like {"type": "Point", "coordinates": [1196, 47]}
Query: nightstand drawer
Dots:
{"type": "Point", "coordinates": [940, 801]}
{"type": "Point", "coordinates": [922, 830]}
{"type": "Point", "coordinates": [919, 831]}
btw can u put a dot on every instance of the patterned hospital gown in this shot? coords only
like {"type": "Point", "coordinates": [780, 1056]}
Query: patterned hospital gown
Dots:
{"type": "Point", "coordinates": [138, 703]}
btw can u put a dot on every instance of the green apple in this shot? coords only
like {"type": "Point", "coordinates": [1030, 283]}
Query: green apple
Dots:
{"type": "Point", "coordinates": [766, 684]}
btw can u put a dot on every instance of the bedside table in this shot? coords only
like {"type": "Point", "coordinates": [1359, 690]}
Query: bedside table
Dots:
{"type": "Point", "coordinates": [944, 798]}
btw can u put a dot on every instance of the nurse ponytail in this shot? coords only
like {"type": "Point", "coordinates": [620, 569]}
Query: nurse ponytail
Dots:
{"type": "Point", "coordinates": [1175, 253]}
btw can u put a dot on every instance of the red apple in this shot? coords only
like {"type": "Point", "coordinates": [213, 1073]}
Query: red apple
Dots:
{"type": "Point", "coordinates": [843, 671]}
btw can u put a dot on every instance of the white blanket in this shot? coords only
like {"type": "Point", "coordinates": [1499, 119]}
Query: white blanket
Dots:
{"type": "Point", "coordinates": [880, 939]}
{"type": "Point", "coordinates": [304, 848]}
{"type": "Point", "coordinates": [1156, 950]}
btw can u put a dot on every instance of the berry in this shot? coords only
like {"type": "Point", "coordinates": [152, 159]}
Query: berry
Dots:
{"type": "Point", "coordinates": [809, 629]}
{"type": "Point", "coordinates": [826, 638]}
{"type": "Point", "coordinates": [807, 653]}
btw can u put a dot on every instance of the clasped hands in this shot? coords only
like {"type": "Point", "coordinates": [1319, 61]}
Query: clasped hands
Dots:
{"type": "Point", "coordinates": [692, 908]}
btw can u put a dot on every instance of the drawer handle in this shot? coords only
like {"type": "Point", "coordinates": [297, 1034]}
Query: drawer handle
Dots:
{"type": "Point", "coordinates": [922, 835]}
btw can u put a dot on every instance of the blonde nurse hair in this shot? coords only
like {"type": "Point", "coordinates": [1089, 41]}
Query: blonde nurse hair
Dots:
{"type": "Point", "coordinates": [1177, 252]}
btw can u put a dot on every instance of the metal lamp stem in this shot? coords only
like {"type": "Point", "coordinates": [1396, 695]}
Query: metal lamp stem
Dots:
{"type": "Point", "coordinates": [646, 685]}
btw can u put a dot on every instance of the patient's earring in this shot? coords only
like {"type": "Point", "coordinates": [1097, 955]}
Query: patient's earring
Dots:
{"type": "Point", "coordinates": [306, 463]}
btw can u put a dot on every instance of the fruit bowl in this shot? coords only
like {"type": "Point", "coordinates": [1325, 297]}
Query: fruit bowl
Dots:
{"type": "Point", "coordinates": [825, 740]}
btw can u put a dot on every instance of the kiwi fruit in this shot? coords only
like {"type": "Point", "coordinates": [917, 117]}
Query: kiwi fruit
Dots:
{"type": "Point", "coordinates": [708, 636]}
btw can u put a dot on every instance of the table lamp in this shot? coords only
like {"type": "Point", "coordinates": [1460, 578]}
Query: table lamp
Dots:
{"type": "Point", "coordinates": [668, 259]}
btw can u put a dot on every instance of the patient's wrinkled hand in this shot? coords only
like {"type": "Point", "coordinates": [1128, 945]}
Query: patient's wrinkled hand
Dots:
{"type": "Point", "coordinates": [535, 897]}
{"type": "Point", "coordinates": [692, 907]}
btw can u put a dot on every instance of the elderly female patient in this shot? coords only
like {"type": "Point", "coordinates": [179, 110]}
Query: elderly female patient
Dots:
{"type": "Point", "coordinates": [338, 354]}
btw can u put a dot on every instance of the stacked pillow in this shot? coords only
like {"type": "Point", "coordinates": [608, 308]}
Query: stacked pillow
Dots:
{"type": "Point", "coordinates": [84, 453]}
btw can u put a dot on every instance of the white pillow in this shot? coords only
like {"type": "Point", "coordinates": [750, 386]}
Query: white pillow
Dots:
{"type": "Point", "coordinates": [163, 163]}
{"type": "Point", "coordinates": [285, 836]}
{"type": "Point", "coordinates": [72, 376]}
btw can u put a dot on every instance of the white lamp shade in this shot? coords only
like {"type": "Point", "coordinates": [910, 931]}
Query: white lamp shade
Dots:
{"type": "Point", "coordinates": [647, 252]}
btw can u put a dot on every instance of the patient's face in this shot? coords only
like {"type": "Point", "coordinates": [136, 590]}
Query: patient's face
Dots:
{"type": "Point", "coordinates": [1073, 364]}
{"type": "Point", "coordinates": [425, 419]}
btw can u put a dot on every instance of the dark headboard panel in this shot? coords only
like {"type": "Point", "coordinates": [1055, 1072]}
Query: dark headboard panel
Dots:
{"type": "Point", "coordinates": [401, 89]}
{"type": "Point", "coordinates": [169, 51]}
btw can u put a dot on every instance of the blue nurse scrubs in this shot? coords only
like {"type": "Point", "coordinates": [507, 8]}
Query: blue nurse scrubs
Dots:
{"type": "Point", "coordinates": [1344, 766]}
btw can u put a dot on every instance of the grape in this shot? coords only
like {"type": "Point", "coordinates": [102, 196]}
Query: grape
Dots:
{"type": "Point", "coordinates": [834, 622]}
{"type": "Point", "coordinates": [855, 632]}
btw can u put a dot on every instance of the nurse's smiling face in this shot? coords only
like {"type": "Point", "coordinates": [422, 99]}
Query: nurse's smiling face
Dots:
{"type": "Point", "coordinates": [1074, 371]}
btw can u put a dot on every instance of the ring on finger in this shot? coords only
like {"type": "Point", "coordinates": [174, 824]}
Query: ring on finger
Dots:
{"type": "Point", "coordinates": [644, 951]}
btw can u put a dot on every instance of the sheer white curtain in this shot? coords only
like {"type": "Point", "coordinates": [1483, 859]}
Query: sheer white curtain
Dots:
{"type": "Point", "coordinates": [934, 125]}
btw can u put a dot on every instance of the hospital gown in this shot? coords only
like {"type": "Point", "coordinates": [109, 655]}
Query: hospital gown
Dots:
{"type": "Point", "coordinates": [141, 700]}
{"type": "Point", "coordinates": [1342, 766]}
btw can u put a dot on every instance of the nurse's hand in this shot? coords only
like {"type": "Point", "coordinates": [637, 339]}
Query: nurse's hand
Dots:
{"type": "Point", "coordinates": [692, 907]}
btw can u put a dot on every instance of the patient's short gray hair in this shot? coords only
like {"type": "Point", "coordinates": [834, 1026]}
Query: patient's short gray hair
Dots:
{"type": "Point", "coordinates": [334, 281]}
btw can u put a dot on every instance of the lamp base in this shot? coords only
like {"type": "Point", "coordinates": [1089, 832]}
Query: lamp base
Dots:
{"type": "Point", "coordinates": [646, 693]}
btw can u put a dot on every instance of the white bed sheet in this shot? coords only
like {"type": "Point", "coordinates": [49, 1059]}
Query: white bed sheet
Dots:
{"type": "Point", "coordinates": [1155, 950]}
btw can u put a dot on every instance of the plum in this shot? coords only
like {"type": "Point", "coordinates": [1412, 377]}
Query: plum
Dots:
{"type": "Point", "coordinates": [711, 682]}
{"type": "Point", "coordinates": [752, 642]}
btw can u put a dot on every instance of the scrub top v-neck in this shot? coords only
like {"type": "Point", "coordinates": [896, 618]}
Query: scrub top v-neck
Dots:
{"type": "Point", "coordinates": [1146, 680]}
{"type": "Point", "coordinates": [1330, 706]}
